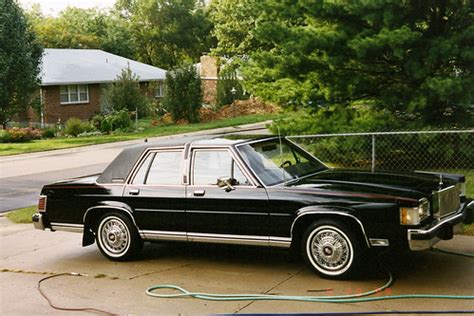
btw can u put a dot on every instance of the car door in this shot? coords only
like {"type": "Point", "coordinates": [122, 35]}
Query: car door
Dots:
{"type": "Point", "coordinates": [157, 195]}
{"type": "Point", "coordinates": [226, 214]}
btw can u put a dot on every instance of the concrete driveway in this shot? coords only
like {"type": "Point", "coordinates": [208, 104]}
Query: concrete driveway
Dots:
{"type": "Point", "coordinates": [27, 255]}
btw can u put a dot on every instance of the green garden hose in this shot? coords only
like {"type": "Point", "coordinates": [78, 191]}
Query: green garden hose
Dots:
{"type": "Point", "coordinates": [353, 298]}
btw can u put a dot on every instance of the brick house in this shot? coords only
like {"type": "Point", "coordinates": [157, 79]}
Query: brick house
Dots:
{"type": "Point", "coordinates": [72, 80]}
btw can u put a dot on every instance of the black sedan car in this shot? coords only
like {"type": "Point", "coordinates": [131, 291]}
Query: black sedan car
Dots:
{"type": "Point", "coordinates": [262, 192]}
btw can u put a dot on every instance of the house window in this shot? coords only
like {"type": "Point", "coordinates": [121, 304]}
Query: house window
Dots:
{"type": "Point", "coordinates": [76, 93]}
{"type": "Point", "coordinates": [160, 89]}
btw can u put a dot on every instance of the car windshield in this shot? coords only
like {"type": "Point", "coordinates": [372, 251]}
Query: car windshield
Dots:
{"type": "Point", "coordinates": [279, 161]}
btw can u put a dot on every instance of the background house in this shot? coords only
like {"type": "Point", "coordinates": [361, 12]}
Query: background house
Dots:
{"type": "Point", "coordinates": [71, 81]}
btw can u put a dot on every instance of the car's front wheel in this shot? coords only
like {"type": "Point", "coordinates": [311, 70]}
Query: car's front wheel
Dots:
{"type": "Point", "coordinates": [332, 249]}
{"type": "Point", "coordinates": [117, 237]}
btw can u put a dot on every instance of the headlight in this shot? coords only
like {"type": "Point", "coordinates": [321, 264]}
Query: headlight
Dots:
{"type": "Point", "coordinates": [414, 215]}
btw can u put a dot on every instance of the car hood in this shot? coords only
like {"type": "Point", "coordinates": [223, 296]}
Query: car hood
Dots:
{"type": "Point", "coordinates": [378, 185]}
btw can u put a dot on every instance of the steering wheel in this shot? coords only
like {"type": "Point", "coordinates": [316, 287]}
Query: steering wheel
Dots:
{"type": "Point", "coordinates": [286, 162]}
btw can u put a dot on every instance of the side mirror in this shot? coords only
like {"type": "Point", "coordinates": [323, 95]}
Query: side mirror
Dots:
{"type": "Point", "coordinates": [226, 183]}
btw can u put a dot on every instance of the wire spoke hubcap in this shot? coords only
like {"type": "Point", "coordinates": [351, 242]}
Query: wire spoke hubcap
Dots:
{"type": "Point", "coordinates": [330, 250]}
{"type": "Point", "coordinates": [115, 236]}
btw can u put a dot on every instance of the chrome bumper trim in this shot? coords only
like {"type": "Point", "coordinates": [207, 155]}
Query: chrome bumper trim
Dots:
{"type": "Point", "coordinates": [37, 219]}
{"type": "Point", "coordinates": [73, 228]}
{"type": "Point", "coordinates": [425, 244]}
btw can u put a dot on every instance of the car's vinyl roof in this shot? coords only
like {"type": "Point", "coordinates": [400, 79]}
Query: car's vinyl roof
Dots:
{"type": "Point", "coordinates": [120, 167]}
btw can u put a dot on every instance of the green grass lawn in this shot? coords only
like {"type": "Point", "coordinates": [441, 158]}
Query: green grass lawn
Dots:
{"type": "Point", "coordinates": [22, 215]}
{"type": "Point", "coordinates": [148, 131]}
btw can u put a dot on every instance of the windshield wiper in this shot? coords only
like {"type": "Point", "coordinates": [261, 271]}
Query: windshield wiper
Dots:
{"type": "Point", "coordinates": [289, 182]}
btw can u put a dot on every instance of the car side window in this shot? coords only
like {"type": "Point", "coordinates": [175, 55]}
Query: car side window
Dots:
{"type": "Point", "coordinates": [143, 171]}
{"type": "Point", "coordinates": [165, 169]}
{"type": "Point", "coordinates": [210, 165]}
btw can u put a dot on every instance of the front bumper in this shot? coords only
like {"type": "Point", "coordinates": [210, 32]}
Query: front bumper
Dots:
{"type": "Point", "coordinates": [38, 221]}
{"type": "Point", "coordinates": [444, 229]}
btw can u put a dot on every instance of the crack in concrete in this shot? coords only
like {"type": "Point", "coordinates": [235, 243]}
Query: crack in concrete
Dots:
{"type": "Point", "coordinates": [162, 270]}
{"type": "Point", "coordinates": [270, 289]}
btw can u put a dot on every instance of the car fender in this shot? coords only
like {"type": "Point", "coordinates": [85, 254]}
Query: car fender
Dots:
{"type": "Point", "coordinates": [318, 210]}
{"type": "Point", "coordinates": [89, 235]}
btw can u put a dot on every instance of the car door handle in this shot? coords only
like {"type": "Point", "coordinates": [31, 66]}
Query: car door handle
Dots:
{"type": "Point", "coordinates": [199, 193]}
{"type": "Point", "coordinates": [134, 191]}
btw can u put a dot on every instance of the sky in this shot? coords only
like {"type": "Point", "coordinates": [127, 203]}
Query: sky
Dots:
{"type": "Point", "coordinates": [53, 7]}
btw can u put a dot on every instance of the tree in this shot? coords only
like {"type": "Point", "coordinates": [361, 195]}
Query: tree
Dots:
{"type": "Point", "coordinates": [413, 57]}
{"type": "Point", "coordinates": [84, 28]}
{"type": "Point", "coordinates": [234, 23]}
{"type": "Point", "coordinates": [183, 94]}
{"type": "Point", "coordinates": [20, 58]}
{"type": "Point", "coordinates": [124, 94]}
{"type": "Point", "coordinates": [227, 81]}
{"type": "Point", "coordinates": [168, 33]}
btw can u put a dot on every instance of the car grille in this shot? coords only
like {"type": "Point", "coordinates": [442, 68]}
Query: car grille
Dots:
{"type": "Point", "coordinates": [445, 201]}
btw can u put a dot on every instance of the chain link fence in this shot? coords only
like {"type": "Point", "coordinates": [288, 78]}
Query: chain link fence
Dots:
{"type": "Point", "coordinates": [440, 151]}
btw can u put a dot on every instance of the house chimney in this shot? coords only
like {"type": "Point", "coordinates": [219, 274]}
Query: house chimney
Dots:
{"type": "Point", "coordinates": [209, 68]}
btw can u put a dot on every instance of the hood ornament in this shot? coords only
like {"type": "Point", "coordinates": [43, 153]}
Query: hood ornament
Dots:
{"type": "Point", "coordinates": [440, 180]}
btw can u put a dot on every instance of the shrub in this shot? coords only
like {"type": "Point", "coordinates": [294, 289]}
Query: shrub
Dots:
{"type": "Point", "coordinates": [19, 135]}
{"type": "Point", "coordinates": [183, 94]}
{"type": "Point", "coordinates": [5, 136]}
{"type": "Point", "coordinates": [75, 126]}
{"type": "Point", "coordinates": [96, 121]}
{"type": "Point", "coordinates": [124, 94]}
{"type": "Point", "coordinates": [48, 133]}
{"type": "Point", "coordinates": [86, 134]}
{"type": "Point", "coordinates": [334, 119]}
{"type": "Point", "coordinates": [106, 124]}
{"type": "Point", "coordinates": [121, 120]}
{"type": "Point", "coordinates": [226, 82]}
{"type": "Point", "coordinates": [118, 120]}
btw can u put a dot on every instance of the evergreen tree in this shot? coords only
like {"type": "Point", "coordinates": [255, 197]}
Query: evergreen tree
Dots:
{"type": "Point", "coordinates": [183, 94]}
{"type": "Point", "coordinates": [20, 58]}
{"type": "Point", "coordinates": [413, 57]}
{"type": "Point", "coordinates": [228, 81]}
{"type": "Point", "coordinates": [124, 94]}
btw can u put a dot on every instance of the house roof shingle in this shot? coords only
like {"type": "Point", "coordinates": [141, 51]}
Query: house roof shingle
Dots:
{"type": "Point", "coordinates": [85, 66]}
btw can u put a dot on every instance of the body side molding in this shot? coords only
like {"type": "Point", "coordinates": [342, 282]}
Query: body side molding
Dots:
{"type": "Point", "coordinates": [265, 241]}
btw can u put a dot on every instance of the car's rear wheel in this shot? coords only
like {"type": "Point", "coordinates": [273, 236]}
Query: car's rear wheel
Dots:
{"type": "Point", "coordinates": [117, 237]}
{"type": "Point", "coordinates": [332, 249]}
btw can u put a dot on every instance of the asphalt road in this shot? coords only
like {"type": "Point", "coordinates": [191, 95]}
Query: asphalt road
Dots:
{"type": "Point", "coordinates": [28, 255]}
{"type": "Point", "coordinates": [23, 176]}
